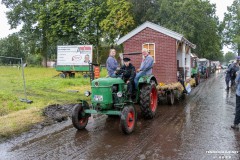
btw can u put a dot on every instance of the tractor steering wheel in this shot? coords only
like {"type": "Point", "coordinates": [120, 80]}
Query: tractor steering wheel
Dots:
{"type": "Point", "coordinates": [119, 73]}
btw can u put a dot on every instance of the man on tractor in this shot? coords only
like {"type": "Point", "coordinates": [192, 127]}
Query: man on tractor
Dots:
{"type": "Point", "coordinates": [146, 66]}
{"type": "Point", "coordinates": [128, 71]}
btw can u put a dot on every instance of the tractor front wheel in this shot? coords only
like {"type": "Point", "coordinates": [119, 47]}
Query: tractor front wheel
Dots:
{"type": "Point", "coordinates": [79, 117]}
{"type": "Point", "coordinates": [128, 119]}
{"type": "Point", "coordinates": [148, 100]}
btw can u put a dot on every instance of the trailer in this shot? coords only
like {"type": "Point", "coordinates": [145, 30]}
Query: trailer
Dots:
{"type": "Point", "coordinates": [172, 92]}
{"type": "Point", "coordinates": [74, 58]}
{"type": "Point", "coordinates": [204, 67]}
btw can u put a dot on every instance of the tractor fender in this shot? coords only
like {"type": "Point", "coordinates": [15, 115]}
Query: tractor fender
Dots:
{"type": "Point", "coordinates": [84, 104]}
{"type": "Point", "coordinates": [147, 79]}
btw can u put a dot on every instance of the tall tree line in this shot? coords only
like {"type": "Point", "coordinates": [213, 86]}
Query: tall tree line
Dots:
{"type": "Point", "coordinates": [231, 27]}
{"type": "Point", "coordinates": [48, 23]}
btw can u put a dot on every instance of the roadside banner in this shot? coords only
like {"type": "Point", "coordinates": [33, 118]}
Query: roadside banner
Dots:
{"type": "Point", "coordinates": [74, 55]}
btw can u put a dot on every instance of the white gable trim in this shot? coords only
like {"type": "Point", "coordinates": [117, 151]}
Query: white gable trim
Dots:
{"type": "Point", "coordinates": [155, 27]}
{"type": "Point", "coordinates": [193, 55]}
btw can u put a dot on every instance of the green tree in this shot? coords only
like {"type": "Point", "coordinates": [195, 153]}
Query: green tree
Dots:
{"type": "Point", "coordinates": [119, 20]}
{"type": "Point", "coordinates": [232, 26]}
{"type": "Point", "coordinates": [47, 24]}
{"type": "Point", "coordinates": [229, 56]}
{"type": "Point", "coordinates": [143, 11]}
{"type": "Point", "coordinates": [195, 19]}
{"type": "Point", "coordinates": [12, 46]}
{"type": "Point", "coordinates": [95, 11]}
{"type": "Point", "coordinates": [33, 16]}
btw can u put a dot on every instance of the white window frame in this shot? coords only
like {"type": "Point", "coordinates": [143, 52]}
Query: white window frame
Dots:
{"type": "Point", "coordinates": [153, 49]}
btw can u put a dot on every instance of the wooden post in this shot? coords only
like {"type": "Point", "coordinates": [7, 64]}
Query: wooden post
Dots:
{"type": "Point", "coordinates": [183, 59]}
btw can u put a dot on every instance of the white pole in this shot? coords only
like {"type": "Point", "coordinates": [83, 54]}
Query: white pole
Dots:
{"type": "Point", "coordinates": [24, 82]}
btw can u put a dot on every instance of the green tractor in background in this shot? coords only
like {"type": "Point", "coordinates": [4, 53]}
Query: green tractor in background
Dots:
{"type": "Point", "coordinates": [109, 97]}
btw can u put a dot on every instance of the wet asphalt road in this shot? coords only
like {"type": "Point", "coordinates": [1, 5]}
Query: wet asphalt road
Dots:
{"type": "Point", "coordinates": [197, 128]}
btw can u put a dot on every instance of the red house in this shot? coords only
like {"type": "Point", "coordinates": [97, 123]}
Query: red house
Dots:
{"type": "Point", "coordinates": [170, 50]}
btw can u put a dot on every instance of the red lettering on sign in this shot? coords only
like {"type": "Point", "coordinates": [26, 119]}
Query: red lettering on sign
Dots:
{"type": "Point", "coordinates": [88, 48]}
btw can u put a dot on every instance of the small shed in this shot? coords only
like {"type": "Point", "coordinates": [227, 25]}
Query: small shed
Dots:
{"type": "Point", "coordinates": [170, 50]}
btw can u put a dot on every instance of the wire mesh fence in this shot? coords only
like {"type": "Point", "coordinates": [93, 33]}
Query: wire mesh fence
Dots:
{"type": "Point", "coordinates": [12, 74]}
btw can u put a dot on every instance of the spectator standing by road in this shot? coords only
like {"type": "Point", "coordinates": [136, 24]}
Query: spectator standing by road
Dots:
{"type": "Point", "coordinates": [112, 63]}
{"type": "Point", "coordinates": [228, 77]}
{"type": "Point", "coordinates": [237, 114]}
{"type": "Point", "coordinates": [233, 71]}
{"type": "Point", "coordinates": [146, 66]}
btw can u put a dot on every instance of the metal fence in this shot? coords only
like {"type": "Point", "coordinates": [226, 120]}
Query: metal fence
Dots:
{"type": "Point", "coordinates": [18, 62]}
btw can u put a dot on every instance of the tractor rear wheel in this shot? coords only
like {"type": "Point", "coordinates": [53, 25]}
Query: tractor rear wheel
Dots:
{"type": "Point", "coordinates": [79, 117]}
{"type": "Point", "coordinates": [128, 119]}
{"type": "Point", "coordinates": [148, 100]}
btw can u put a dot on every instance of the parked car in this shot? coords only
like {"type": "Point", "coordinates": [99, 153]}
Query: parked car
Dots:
{"type": "Point", "coordinates": [219, 67]}
{"type": "Point", "coordinates": [224, 66]}
{"type": "Point", "coordinates": [217, 64]}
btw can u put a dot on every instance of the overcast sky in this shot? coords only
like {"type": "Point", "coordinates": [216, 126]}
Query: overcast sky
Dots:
{"type": "Point", "coordinates": [221, 7]}
{"type": "Point", "coordinates": [5, 28]}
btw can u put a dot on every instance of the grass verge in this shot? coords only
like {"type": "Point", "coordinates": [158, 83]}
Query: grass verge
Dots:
{"type": "Point", "coordinates": [44, 88]}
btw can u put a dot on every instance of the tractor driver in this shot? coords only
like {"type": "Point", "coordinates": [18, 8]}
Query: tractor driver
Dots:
{"type": "Point", "coordinates": [129, 72]}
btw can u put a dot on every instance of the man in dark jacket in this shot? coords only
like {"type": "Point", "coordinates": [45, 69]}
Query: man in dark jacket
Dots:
{"type": "Point", "coordinates": [228, 77]}
{"type": "Point", "coordinates": [233, 70]}
{"type": "Point", "coordinates": [129, 73]}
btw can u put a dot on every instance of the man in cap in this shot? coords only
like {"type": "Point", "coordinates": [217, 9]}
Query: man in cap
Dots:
{"type": "Point", "coordinates": [129, 72]}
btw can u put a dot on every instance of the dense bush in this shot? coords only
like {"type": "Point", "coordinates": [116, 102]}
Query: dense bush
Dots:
{"type": "Point", "coordinates": [34, 60]}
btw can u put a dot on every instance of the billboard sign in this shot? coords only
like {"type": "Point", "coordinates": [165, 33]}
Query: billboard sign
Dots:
{"type": "Point", "coordinates": [74, 55]}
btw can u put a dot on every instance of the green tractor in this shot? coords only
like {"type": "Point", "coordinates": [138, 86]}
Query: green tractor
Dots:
{"type": "Point", "coordinates": [109, 97]}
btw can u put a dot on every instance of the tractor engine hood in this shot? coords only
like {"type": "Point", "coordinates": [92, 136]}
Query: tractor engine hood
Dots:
{"type": "Point", "coordinates": [102, 92]}
{"type": "Point", "coordinates": [106, 82]}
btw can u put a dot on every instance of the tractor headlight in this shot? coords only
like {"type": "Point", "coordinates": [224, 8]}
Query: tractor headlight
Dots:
{"type": "Point", "coordinates": [87, 93]}
{"type": "Point", "coordinates": [119, 94]}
